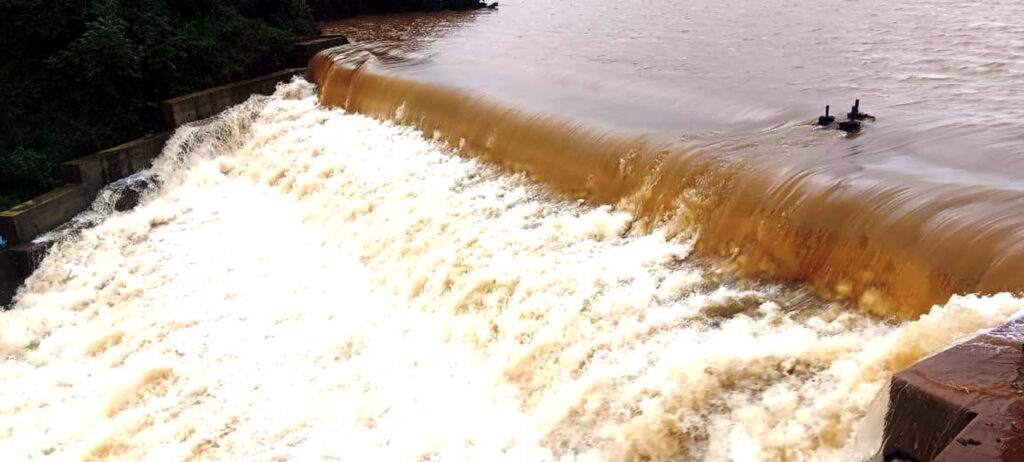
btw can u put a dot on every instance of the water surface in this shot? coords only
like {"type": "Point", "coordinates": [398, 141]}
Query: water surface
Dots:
{"type": "Point", "coordinates": [938, 172]}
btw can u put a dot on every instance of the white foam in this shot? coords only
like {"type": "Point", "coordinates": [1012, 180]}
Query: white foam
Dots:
{"type": "Point", "coordinates": [308, 283]}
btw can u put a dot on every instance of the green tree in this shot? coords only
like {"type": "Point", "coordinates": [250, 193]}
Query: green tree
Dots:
{"type": "Point", "coordinates": [77, 76]}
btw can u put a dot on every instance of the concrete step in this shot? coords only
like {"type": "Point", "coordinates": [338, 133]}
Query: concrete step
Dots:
{"type": "Point", "coordinates": [963, 404]}
{"type": "Point", "coordinates": [16, 264]}
{"type": "Point", "coordinates": [301, 52]}
{"type": "Point", "coordinates": [102, 168]}
{"type": "Point", "coordinates": [29, 219]}
{"type": "Point", "coordinates": [206, 103]}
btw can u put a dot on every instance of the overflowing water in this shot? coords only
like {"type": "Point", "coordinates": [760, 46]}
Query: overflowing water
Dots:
{"type": "Point", "coordinates": [701, 112]}
{"type": "Point", "coordinates": [309, 283]}
{"type": "Point", "coordinates": [580, 230]}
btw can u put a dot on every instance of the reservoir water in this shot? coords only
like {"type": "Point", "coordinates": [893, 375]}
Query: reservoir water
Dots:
{"type": "Point", "coordinates": [935, 70]}
{"type": "Point", "coordinates": [684, 87]}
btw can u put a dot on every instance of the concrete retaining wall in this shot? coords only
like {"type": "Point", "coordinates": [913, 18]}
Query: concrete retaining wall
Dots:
{"type": "Point", "coordinates": [301, 52]}
{"type": "Point", "coordinates": [16, 264]}
{"type": "Point", "coordinates": [10, 277]}
{"type": "Point", "coordinates": [102, 168]}
{"type": "Point", "coordinates": [961, 405]}
{"type": "Point", "coordinates": [24, 222]}
{"type": "Point", "coordinates": [206, 103]}
{"type": "Point", "coordinates": [87, 175]}
{"type": "Point", "coordinates": [84, 176]}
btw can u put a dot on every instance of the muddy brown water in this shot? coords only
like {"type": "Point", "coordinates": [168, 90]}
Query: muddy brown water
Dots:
{"type": "Point", "coordinates": [699, 113]}
{"type": "Point", "coordinates": [302, 282]}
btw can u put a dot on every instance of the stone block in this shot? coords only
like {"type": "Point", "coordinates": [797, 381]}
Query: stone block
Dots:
{"type": "Point", "coordinates": [963, 404]}
{"type": "Point", "coordinates": [102, 168]}
{"type": "Point", "coordinates": [21, 224]}
{"type": "Point", "coordinates": [301, 52]}
{"type": "Point", "coordinates": [10, 278]}
{"type": "Point", "coordinates": [202, 104]}
{"type": "Point", "coordinates": [16, 264]}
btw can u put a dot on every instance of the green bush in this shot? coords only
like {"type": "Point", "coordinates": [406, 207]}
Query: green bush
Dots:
{"type": "Point", "coordinates": [77, 76]}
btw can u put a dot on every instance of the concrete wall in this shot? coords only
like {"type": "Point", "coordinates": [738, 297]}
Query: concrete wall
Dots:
{"type": "Point", "coordinates": [206, 103]}
{"type": "Point", "coordinates": [10, 277]}
{"type": "Point", "coordinates": [24, 222]}
{"type": "Point", "coordinates": [301, 52]}
{"type": "Point", "coordinates": [102, 168]}
{"type": "Point", "coordinates": [963, 404]}
{"type": "Point", "coordinates": [16, 264]}
{"type": "Point", "coordinates": [85, 176]}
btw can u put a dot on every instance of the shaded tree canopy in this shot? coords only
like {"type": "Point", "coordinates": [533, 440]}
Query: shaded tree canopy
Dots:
{"type": "Point", "coordinates": [77, 76]}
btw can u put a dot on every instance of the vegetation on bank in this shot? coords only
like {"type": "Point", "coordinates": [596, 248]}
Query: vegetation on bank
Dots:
{"type": "Point", "coordinates": [78, 76]}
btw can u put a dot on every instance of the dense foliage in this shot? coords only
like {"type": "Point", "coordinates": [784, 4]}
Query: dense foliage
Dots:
{"type": "Point", "coordinates": [77, 76]}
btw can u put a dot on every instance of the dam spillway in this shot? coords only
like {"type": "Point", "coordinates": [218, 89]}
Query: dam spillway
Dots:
{"type": "Point", "coordinates": [393, 267]}
{"type": "Point", "coordinates": [483, 317]}
{"type": "Point", "coordinates": [699, 123]}
{"type": "Point", "coordinates": [891, 244]}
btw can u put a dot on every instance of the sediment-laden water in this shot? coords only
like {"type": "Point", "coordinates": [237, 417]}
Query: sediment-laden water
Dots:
{"type": "Point", "coordinates": [309, 283]}
{"type": "Point", "coordinates": [698, 114]}
{"type": "Point", "coordinates": [582, 230]}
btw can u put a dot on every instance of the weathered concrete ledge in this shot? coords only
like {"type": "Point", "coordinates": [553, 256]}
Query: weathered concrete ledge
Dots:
{"type": "Point", "coordinates": [85, 176]}
{"type": "Point", "coordinates": [202, 104]}
{"type": "Point", "coordinates": [102, 168]}
{"type": "Point", "coordinates": [16, 264]}
{"type": "Point", "coordinates": [301, 52]}
{"type": "Point", "coordinates": [10, 277]}
{"type": "Point", "coordinates": [27, 220]}
{"type": "Point", "coordinates": [963, 404]}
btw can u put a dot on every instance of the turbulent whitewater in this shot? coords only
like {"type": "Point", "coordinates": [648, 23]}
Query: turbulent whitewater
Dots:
{"type": "Point", "coordinates": [307, 283]}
